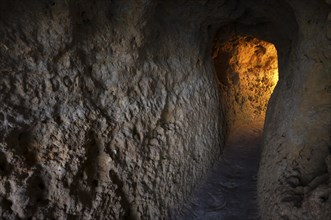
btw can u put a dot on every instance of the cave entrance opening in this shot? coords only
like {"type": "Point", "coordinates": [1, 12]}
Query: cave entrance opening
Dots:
{"type": "Point", "coordinates": [247, 72]}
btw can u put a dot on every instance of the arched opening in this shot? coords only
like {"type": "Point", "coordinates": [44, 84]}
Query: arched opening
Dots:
{"type": "Point", "coordinates": [247, 72]}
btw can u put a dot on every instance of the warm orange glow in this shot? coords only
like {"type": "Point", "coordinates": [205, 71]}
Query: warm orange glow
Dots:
{"type": "Point", "coordinates": [248, 71]}
{"type": "Point", "coordinates": [257, 60]}
{"type": "Point", "coordinates": [275, 78]}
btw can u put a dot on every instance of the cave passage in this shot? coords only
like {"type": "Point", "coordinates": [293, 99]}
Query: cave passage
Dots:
{"type": "Point", "coordinates": [247, 72]}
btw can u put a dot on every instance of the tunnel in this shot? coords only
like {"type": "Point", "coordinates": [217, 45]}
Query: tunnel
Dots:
{"type": "Point", "coordinates": [177, 109]}
{"type": "Point", "coordinates": [247, 73]}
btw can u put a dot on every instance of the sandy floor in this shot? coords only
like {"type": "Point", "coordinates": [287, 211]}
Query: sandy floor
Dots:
{"type": "Point", "coordinates": [230, 190]}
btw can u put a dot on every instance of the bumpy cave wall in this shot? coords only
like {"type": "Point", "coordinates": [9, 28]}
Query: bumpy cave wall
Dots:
{"type": "Point", "coordinates": [295, 177]}
{"type": "Point", "coordinates": [247, 71]}
{"type": "Point", "coordinates": [105, 114]}
{"type": "Point", "coordinates": [110, 109]}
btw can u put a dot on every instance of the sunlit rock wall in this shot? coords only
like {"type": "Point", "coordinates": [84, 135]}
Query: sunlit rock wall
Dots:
{"type": "Point", "coordinates": [247, 69]}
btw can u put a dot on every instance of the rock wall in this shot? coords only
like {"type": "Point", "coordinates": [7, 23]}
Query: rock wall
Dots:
{"type": "Point", "coordinates": [111, 109]}
{"type": "Point", "coordinates": [294, 178]}
{"type": "Point", "coordinates": [247, 70]}
{"type": "Point", "coordinates": [105, 114]}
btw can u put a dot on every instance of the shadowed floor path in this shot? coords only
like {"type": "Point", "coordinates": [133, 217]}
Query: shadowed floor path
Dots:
{"type": "Point", "coordinates": [229, 192]}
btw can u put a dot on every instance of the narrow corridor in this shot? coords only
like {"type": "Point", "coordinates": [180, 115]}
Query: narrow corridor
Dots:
{"type": "Point", "coordinates": [229, 192]}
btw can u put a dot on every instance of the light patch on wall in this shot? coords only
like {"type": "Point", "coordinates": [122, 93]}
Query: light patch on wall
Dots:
{"type": "Point", "coordinates": [247, 69]}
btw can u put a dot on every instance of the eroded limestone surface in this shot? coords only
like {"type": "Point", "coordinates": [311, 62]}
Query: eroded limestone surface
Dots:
{"type": "Point", "coordinates": [247, 70]}
{"type": "Point", "coordinates": [101, 116]}
{"type": "Point", "coordinates": [112, 110]}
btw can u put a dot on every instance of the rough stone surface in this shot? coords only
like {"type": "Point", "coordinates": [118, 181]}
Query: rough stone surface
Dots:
{"type": "Point", "coordinates": [294, 179]}
{"type": "Point", "coordinates": [94, 124]}
{"type": "Point", "coordinates": [111, 109]}
{"type": "Point", "coordinates": [247, 70]}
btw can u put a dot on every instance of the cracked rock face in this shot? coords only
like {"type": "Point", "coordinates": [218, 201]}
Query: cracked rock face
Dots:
{"type": "Point", "coordinates": [112, 109]}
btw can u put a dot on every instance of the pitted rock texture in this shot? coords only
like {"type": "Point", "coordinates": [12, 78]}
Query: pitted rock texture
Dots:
{"type": "Point", "coordinates": [111, 109]}
{"type": "Point", "coordinates": [247, 71]}
{"type": "Point", "coordinates": [93, 124]}
{"type": "Point", "coordinates": [294, 177]}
